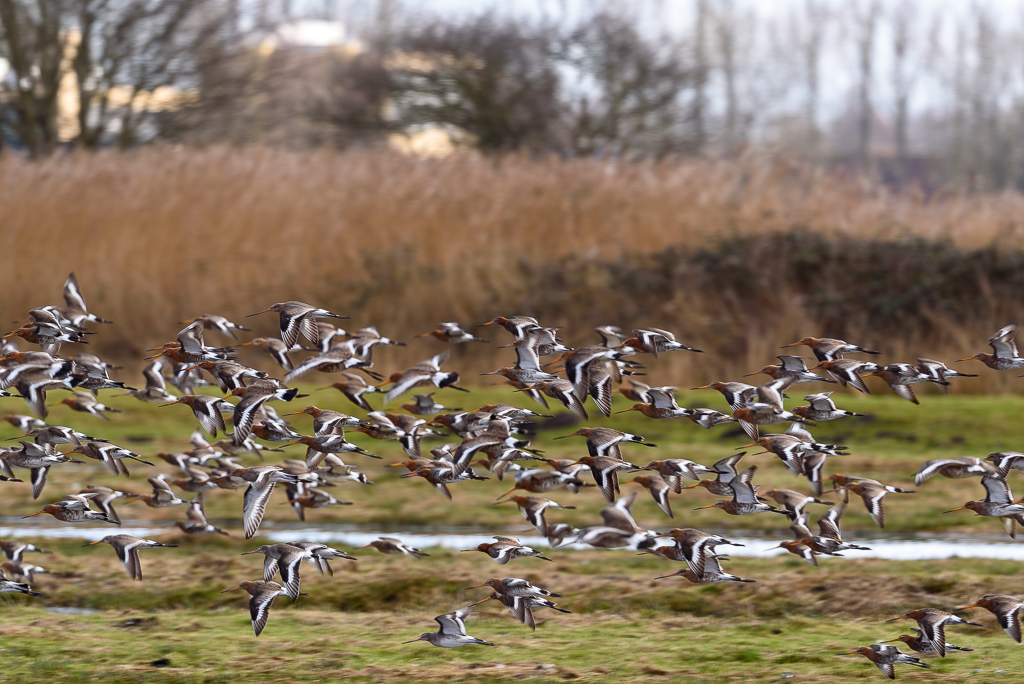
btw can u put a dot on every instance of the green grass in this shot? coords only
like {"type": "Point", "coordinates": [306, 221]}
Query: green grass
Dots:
{"type": "Point", "coordinates": [889, 445]}
{"type": "Point", "coordinates": [625, 626]}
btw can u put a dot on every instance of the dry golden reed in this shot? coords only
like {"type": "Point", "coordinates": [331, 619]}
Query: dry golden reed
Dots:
{"type": "Point", "coordinates": [162, 234]}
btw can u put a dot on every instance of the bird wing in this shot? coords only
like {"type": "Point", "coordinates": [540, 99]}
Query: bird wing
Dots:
{"type": "Point", "coordinates": [520, 607]}
{"type": "Point", "coordinates": [73, 299]}
{"type": "Point", "coordinates": [563, 392]}
{"type": "Point", "coordinates": [1003, 342]}
{"type": "Point", "coordinates": [289, 566]}
{"type": "Point", "coordinates": [314, 362]}
{"type": "Point", "coordinates": [244, 414]}
{"type": "Point", "coordinates": [726, 468]}
{"type": "Point", "coordinates": [933, 627]}
{"type": "Point", "coordinates": [38, 478]}
{"type": "Point", "coordinates": [907, 392]}
{"type": "Point", "coordinates": [662, 397]}
{"type": "Point", "coordinates": [526, 354]}
{"type": "Point", "coordinates": [1009, 619]}
{"type": "Point", "coordinates": [793, 363]}
{"type": "Point", "coordinates": [799, 525]}
{"type": "Point", "coordinates": [191, 338]}
{"type": "Point", "coordinates": [888, 669]}
{"type": "Point", "coordinates": [209, 416]}
{"type": "Point", "coordinates": [659, 489]}
{"type": "Point", "coordinates": [409, 379]}
{"type": "Point", "coordinates": [619, 514]}
{"type": "Point", "coordinates": [828, 523]}
{"type": "Point", "coordinates": [290, 325]}
{"type": "Point", "coordinates": [453, 623]}
{"type": "Point", "coordinates": [127, 551]}
{"type": "Point", "coordinates": [651, 339]}
{"type": "Point", "coordinates": [997, 488]}
{"type": "Point", "coordinates": [255, 505]}
{"type": "Point", "coordinates": [822, 401]}
{"type": "Point", "coordinates": [607, 480]}
{"type": "Point", "coordinates": [872, 497]}
{"type": "Point", "coordinates": [929, 468]}
{"type": "Point", "coordinates": [259, 606]}
{"type": "Point", "coordinates": [743, 491]}
{"type": "Point", "coordinates": [195, 510]}
{"type": "Point", "coordinates": [600, 389]}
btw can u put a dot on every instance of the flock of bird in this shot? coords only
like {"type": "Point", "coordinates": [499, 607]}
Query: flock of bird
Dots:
{"type": "Point", "coordinates": [493, 437]}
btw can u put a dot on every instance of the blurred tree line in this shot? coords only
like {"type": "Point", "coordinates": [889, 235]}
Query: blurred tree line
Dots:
{"type": "Point", "coordinates": [920, 92]}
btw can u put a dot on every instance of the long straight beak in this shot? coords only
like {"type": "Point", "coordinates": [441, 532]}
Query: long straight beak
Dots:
{"type": "Point", "coordinates": [231, 589]}
{"type": "Point", "coordinates": [631, 408]}
{"type": "Point", "coordinates": [507, 493]}
{"type": "Point", "coordinates": [887, 641]}
{"type": "Point", "coordinates": [751, 374]}
{"type": "Point", "coordinates": [413, 641]}
{"type": "Point", "coordinates": [31, 516]}
{"type": "Point", "coordinates": [474, 587]}
{"type": "Point", "coordinates": [955, 509]}
{"type": "Point", "coordinates": [258, 313]}
{"type": "Point", "coordinates": [702, 507]}
{"type": "Point", "coordinates": [901, 617]}
{"type": "Point", "coordinates": [92, 543]}
{"type": "Point", "coordinates": [246, 553]}
{"type": "Point", "coordinates": [973, 605]}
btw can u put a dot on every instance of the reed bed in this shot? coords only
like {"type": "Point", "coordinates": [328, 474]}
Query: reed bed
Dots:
{"type": "Point", "coordinates": [737, 257]}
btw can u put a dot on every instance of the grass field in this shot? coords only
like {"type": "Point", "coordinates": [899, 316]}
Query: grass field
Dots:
{"type": "Point", "coordinates": [889, 444]}
{"type": "Point", "coordinates": [624, 627]}
{"type": "Point", "coordinates": [738, 258]}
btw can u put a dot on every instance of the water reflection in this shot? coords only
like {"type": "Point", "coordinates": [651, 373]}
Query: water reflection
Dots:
{"type": "Point", "coordinates": [757, 543]}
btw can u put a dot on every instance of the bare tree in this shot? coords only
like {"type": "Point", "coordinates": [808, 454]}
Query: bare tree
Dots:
{"type": "Point", "coordinates": [489, 77]}
{"type": "Point", "coordinates": [699, 103]}
{"type": "Point", "coordinates": [866, 24]}
{"type": "Point", "coordinates": [123, 55]}
{"type": "Point", "coordinates": [354, 100]}
{"type": "Point", "coordinates": [628, 93]}
{"type": "Point", "coordinates": [726, 26]}
{"type": "Point", "coordinates": [136, 48]}
{"type": "Point", "coordinates": [810, 37]}
{"type": "Point", "coordinates": [34, 43]}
